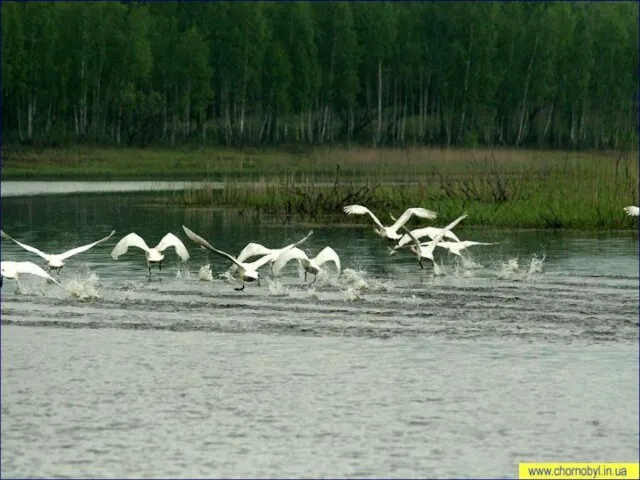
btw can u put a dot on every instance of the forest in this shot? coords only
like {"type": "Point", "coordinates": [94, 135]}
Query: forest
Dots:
{"type": "Point", "coordinates": [250, 74]}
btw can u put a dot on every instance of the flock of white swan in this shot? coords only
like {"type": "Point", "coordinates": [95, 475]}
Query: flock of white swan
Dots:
{"type": "Point", "coordinates": [276, 257]}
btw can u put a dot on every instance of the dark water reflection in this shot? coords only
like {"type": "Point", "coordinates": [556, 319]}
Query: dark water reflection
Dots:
{"type": "Point", "coordinates": [527, 351]}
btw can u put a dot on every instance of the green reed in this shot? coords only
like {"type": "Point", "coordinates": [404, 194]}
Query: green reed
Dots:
{"type": "Point", "coordinates": [584, 194]}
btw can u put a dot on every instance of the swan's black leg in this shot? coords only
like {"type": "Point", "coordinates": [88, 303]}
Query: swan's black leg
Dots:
{"type": "Point", "coordinates": [315, 277]}
{"type": "Point", "coordinates": [305, 276]}
{"type": "Point", "coordinates": [160, 266]}
{"type": "Point", "coordinates": [239, 289]}
{"type": "Point", "coordinates": [421, 265]}
{"type": "Point", "coordinates": [149, 278]}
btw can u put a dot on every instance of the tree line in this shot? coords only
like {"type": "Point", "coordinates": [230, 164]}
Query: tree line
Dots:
{"type": "Point", "coordinates": [540, 74]}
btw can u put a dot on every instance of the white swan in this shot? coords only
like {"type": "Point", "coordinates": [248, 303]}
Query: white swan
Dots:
{"type": "Point", "coordinates": [55, 261]}
{"type": "Point", "coordinates": [430, 232]}
{"type": "Point", "coordinates": [255, 249]}
{"type": "Point", "coordinates": [633, 211]}
{"type": "Point", "coordinates": [10, 269]}
{"type": "Point", "coordinates": [153, 255]}
{"type": "Point", "coordinates": [456, 247]}
{"type": "Point", "coordinates": [426, 250]}
{"type": "Point", "coordinates": [391, 232]}
{"type": "Point", "coordinates": [248, 271]}
{"type": "Point", "coordinates": [310, 265]}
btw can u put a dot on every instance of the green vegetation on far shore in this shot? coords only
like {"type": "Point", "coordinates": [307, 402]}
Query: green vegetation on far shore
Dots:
{"type": "Point", "coordinates": [502, 187]}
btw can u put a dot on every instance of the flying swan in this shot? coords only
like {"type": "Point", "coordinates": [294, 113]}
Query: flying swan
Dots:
{"type": "Point", "coordinates": [56, 261]}
{"type": "Point", "coordinates": [153, 255]}
{"type": "Point", "coordinates": [633, 211]}
{"type": "Point", "coordinates": [310, 265]}
{"type": "Point", "coordinates": [426, 250]}
{"type": "Point", "coordinates": [430, 232]}
{"type": "Point", "coordinates": [390, 233]}
{"type": "Point", "coordinates": [254, 250]}
{"type": "Point", "coordinates": [248, 271]}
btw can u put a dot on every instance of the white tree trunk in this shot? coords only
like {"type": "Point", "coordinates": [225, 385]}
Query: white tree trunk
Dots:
{"type": "Point", "coordinates": [526, 91]}
{"type": "Point", "coordinates": [379, 127]}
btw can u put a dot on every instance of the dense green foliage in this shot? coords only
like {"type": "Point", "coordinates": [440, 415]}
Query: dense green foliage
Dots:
{"type": "Point", "coordinates": [558, 74]}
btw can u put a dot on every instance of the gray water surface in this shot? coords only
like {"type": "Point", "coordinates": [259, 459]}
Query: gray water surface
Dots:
{"type": "Point", "coordinates": [524, 351]}
{"type": "Point", "coordinates": [19, 188]}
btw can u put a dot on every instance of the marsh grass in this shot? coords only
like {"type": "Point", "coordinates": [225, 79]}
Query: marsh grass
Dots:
{"type": "Point", "coordinates": [574, 193]}
{"type": "Point", "coordinates": [497, 187]}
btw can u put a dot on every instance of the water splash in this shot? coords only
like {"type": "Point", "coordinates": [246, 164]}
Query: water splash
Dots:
{"type": "Point", "coordinates": [326, 279]}
{"type": "Point", "coordinates": [468, 263]}
{"type": "Point", "coordinates": [511, 269]}
{"type": "Point", "coordinates": [311, 293]}
{"type": "Point", "coordinates": [355, 280]}
{"type": "Point", "coordinates": [536, 264]}
{"type": "Point", "coordinates": [183, 272]}
{"type": "Point", "coordinates": [226, 275]}
{"type": "Point", "coordinates": [204, 274]}
{"type": "Point", "coordinates": [22, 289]}
{"type": "Point", "coordinates": [84, 288]}
{"type": "Point", "coordinates": [463, 268]}
{"type": "Point", "coordinates": [438, 270]}
{"type": "Point", "coordinates": [276, 288]}
{"type": "Point", "coordinates": [350, 294]}
{"type": "Point", "coordinates": [133, 285]}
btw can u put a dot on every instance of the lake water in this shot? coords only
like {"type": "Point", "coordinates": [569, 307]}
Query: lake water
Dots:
{"type": "Point", "coordinates": [16, 188]}
{"type": "Point", "coordinates": [525, 351]}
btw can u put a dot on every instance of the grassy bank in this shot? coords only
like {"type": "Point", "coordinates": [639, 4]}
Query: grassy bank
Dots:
{"type": "Point", "coordinates": [525, 190]}
{"type": "Point", "coordinates": [251, 164]}
{"type": "Point", "coordinates": [509, 188]}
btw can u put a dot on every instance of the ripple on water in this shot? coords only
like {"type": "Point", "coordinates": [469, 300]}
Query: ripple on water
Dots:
{"type": "Point", "coordinates": [386, 370]}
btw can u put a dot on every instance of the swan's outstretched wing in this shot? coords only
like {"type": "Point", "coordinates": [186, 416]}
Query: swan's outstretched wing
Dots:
{"type": "Point", "coordinates": [432, 244]}
{"type": "Point", "coordinates": [28, 248]}
{"type": "Point", "coordinates": [203, 243]}
{"type": "Point", "coordinates": [170, 240]}
{"type": "Point", "coordinates": [263, 260]}
{"type": "Point", "coordinates": [27, 267]}
{"type": "Point", "coordinates": [33, 269]}
{"type": "Point", "coordinates": [412, 238]}
{"type": "Point", "coordinates": [275, 255]}
{"type": "Point", "coordinates": [198, 239]}
{"type": "Point", "coordinates": [457, 247]}
{"type": "Point", "coordinates": [131, 240]}
{"type": "Point", "coordinates": [285, 257]}
{"type": "Point", "coordinates": [633, 211]}
{"type": "Point", "coordinates": [461, 245]}
{"type": "Point", "coordinates": [430, 232]}
{"type": "Point", "coordinates": [471, 243]}
{"type": "Point", "coordinates": [253, 250]}
{"type": "Point", "coordinates": [84, 248]}
{"type": "Point", "coordinates": [360, 210]}
{"type": "Point", "coordinates": [409, 212]}
{"type": "Point", "coordinates": [299, 242]}
{"type": "Point", "coordinates": [328, 254]}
